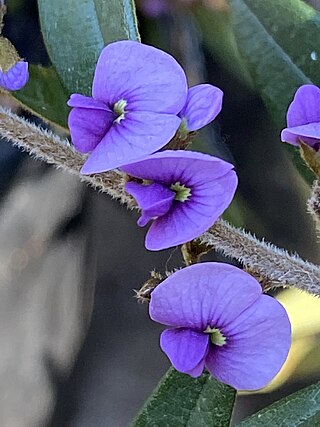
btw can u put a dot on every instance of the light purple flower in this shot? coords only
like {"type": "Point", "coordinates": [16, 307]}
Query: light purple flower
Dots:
{"type": "Point", "coordinates": [221, 321]}
{"type": "Point", "coordinates": [137, 94]}
{"type": "Point", "coordinates": [187, 193]}
{"type": "Point", "coordinates": [303, 118]}
{"type": "Point", "coordinates": [204, 103]}
{"type": "Point", "coordinates": [16, 77]}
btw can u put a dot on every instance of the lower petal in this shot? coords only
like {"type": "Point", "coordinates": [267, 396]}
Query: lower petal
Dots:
{"type": "Point", "coordinates": [258, 342]}
{"type": "Point", "coordinates": [187, 220]}
{"type": "Point", "coordinates": [88, 126]}
{"type": "Point", "coordinates": [185, 348]}
{"type": "Point", "coordinates": [136, 136]}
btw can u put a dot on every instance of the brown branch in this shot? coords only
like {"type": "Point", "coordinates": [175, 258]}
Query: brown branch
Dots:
{"type": "Point", "coordinates": [271, 264]}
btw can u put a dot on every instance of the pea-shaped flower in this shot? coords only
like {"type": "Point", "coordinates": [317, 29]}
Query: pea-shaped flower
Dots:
{"type": "Point", "coordinates": [221, 320]}
{"type": "Point", "coordinates": [303, 118]}
{"type": "Point", "coordinates": [15, 77]}
{"type": "Point", "coordinates": [184, 195]}
{"type": "Point", "coordinates": [137, 94]}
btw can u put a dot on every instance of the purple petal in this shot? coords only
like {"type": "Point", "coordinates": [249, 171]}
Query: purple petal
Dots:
{"type": "Point", "coordinates": [208, 294]}
{"type": "Point", "coordinates": [310, 134]}
{"type": "Point", "coordinates": [189, 167]}
{"type": "Point", "coordinates": [77, 100]}
{"type": "Point", "coordinates": [138, 135]}
{"type": "Point", "coordinates": [186, 349]}
{"type": "Point", "coordinates": [188, 220]}
{"type": "Point", "coordinates": [204, 103]}
{"type": "Point", "coordinates": [88, 126]}
{"type": "Point", "coordinates": [257, 346]}
{"type": "Point", "coordinates": [305, 107]}
{"type": "Point", "coordinates": [147, 78]}
{"type": "Point", "coordinates": [16, 77]}
{"type": "Point", "coordinates": [154, 200]}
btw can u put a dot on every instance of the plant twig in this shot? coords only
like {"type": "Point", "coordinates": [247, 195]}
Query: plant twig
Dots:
{"type": "Point", "coordinates": [272, 265]}
{"type": "Point", "coordinates": [44, 145]}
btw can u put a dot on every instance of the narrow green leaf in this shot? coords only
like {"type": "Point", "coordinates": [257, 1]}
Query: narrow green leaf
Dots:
{"type": "Point", "coordinates": [299, 409]}
{"type": "Point", "coordinates": [273, 70]}
{"type": "Point", "coordinates": [182, 401]}
{"type": "Point", "coordinates": [75, 31]}
{"type": "Point", "coordinates": [44, 95]}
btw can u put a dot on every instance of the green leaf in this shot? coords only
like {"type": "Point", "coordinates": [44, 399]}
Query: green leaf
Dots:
{"type": "Point", "coordinates": [182, 401]}
{"type": "Point", "coordinates": [44, 95]}
{"type": "Point", "coordinates": [75, 32]}
{"type": "Point", "coordinates": [299, 409]}
{"type": "Point", "coordinates": [279, 41]}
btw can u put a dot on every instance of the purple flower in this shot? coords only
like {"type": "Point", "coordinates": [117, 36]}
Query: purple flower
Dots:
{"type": "Point", "coordinates": [185, 194]}
{"type": "Point", "coordinates": [221, 321]}
{"type": "Point", "coordinates": [303, 118]}
{"type": "Point", "coordinates": [137, 94]}
{"type": "Point", "coordinates": [204, 103]}
{"type": "Point", "coordinates": [16, 77]}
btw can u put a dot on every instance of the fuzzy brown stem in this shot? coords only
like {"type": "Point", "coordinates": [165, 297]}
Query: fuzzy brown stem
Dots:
{"type": "Point", "coordinates": [272, 264]}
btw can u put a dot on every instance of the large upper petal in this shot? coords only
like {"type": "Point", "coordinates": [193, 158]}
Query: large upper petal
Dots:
{"type": "Point", "coordinates": [186, 349]}
{"type": "Point", "coordinates": [139, 134]}
{"type": "Point", "coordinates": [147, 78]}
{"type": "Point", "coordinates": [188, 167]}
{"type": "Point", "coordinates": [257, 345]}
{"type": "Point", "coordinates": [208, 294]}
{"type": "Point", "coordinates": [204, 103]}
{"type": "Point", "coordinates": [187, 220]}
{"type": "Point", "coordinates": [305, 107]}
{"type": "Point", "coordinates": [88, 126]}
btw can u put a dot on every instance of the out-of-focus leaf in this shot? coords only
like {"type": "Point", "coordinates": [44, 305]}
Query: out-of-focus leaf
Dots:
{"type": "Point", "coordinates": [299, 409]}
{"type": "Point", "coordinates": [182, 401]}
{"type": "Point", "coordinates": [219, 39]}
{"type": "Point", "coordinates": [279, 41]}
{"type": "Point", "coordinates": [44, 95]}
{"type": "Point", "coordinates": [75, 31]}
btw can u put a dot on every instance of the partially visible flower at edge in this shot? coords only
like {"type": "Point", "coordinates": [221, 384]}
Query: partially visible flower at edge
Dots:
{"type": "Point", "coordinates": [221, 320]}
{"type": "Point", "coordinates": [137, 94]}
{"type": "Point", "coordinates": [303, 118]}
{"type": "Point", "coordinates": [187, 194]}
{"type": "Point", "coordinates": [16, 77]}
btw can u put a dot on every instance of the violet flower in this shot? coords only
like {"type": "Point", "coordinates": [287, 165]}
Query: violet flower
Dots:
{"type": "Point", "coordinates": [204, 103]}
{"type": "Point", "coordinates": [156, 8]}
{"type": "Point", "coordinates": [137, 94]}
{"type": "Point", "coordinates": [221, 321]}
{"type": "Point", "coordinates": [187, 193]}
{"type": "Point", "coordinates": [303, 118]}
{"type": "Point", "coordinates": [16, 77]}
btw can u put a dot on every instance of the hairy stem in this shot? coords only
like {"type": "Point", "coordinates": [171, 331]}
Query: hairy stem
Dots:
{"type": "Point", "coordinates": [273, 266]}
{"type": "Point", "coordinates": [46, 146]}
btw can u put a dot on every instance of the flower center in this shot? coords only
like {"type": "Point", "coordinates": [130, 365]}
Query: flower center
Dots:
{"type": "Point", "coordinates": [216, 336]}
{"type": "Point", "coordinates": [119, 109]}
{"type": "Point", "coordinates": [183, 193]}
{"type": "Point", "coordinates": [183, 130]}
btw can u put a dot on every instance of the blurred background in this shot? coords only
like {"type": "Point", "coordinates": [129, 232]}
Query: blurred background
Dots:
{"type": "Point", "coordinates": [76, 347]}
